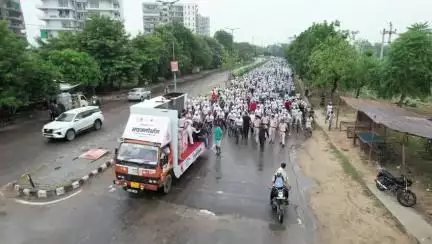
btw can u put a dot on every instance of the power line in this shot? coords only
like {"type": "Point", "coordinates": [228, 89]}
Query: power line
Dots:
{"type": "Point", "coordinates": [385, 32]}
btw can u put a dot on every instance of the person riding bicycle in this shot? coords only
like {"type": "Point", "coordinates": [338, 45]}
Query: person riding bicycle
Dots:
{"type": "Point", "coordinates": [280, 180]}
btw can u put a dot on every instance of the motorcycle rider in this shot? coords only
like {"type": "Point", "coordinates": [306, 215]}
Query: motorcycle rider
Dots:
{"type": "Point", "coordinates": [280, 179]}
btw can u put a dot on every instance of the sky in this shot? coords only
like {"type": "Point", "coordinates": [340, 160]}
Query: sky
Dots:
{"type": "Point", "coordinates": [265, 22]}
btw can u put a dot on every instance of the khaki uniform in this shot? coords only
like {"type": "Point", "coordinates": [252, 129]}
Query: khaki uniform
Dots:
{"type": "Point", "coordinates": [282, 131]}
{"type": "Point", "coordinates": [272, 129]}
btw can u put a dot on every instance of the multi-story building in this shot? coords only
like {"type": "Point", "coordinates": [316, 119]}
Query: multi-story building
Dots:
{"type": "Point", "coordinates": [190, 14]}
{"type": "Point", "coordinates": [11, 11]}
{"type": "Point", "coordinates": [203, 25]}
{"type": "Point", "coordinates": [158, 13]}
{"type": "Point", "coordinates": [71, 15]}
{"type": "Point", "coordinates": [155, 13]}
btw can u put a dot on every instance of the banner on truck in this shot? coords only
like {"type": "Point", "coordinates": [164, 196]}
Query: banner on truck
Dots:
{"type": "Point", "coordinates": [148, 128]}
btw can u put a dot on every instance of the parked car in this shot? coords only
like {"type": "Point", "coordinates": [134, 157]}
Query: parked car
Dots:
{"type": "Point", "coordinates": [72, 122]}
{"type": "Point", "coordinates": [139, 93]}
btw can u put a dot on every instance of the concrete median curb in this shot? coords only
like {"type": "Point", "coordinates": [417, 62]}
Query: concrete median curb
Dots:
{"type": "Point", "coordinates": [59, 191]}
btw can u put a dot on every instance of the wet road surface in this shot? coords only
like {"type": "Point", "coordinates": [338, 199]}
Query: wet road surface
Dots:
{"type": "Point", "coordinates": [234, 188]}
{"type": "Point", "coordinates": [222, 200]}
{"type": "Point", "coordinates": [24, 149]}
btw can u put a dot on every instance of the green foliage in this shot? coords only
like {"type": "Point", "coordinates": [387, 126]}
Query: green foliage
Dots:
{"type": "Point", "coordinates": [408, 68]}
{"type": "Point", "coordinates": [24, 77]}
{"type": "Point", "coordinates": [76, 67]}
{"type": "Point", "coordinates": [300, 50]}
{"type": "Point", "coordinates": [225, 39]}
{"type": "Point", "coordinates": [104, 57]}
{"type": "Point", "coordinates": [323, 55]}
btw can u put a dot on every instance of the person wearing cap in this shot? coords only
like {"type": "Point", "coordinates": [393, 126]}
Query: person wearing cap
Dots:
{"type": "Point", "coordinates": [272, 129]}
{"type": "Point", "coordinates": [282, 132]}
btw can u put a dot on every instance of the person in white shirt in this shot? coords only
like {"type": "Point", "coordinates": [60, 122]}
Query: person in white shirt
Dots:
{"type": "Point", "coordinates": [282, 132]}
{"type": "Point", "coordinates": [280, 178]}
{"type": "Point", "coordinates": [256, 123]}
{"type": "Point", "coordinates": [190, 130]}
{"type": "Point", "coordinates": [329, 110]}
{"type": "Point", "coordinates": [272, 129]}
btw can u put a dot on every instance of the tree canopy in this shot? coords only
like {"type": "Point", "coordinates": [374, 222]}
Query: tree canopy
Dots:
{"type": "Point", "coordinates": [326, 57]}
{"type": "Point", "coordinates": [104, 57]}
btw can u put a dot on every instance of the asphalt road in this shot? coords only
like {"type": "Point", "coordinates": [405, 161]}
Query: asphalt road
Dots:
{"type": "Point", "coordinates": [217, 201]}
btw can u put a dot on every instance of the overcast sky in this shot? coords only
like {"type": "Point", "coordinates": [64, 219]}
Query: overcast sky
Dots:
{"type": "Point", "coordinates": [266, 22]}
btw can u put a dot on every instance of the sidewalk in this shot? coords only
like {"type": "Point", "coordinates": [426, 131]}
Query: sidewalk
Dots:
{"type": "Point", "coordinates": [413, 223]}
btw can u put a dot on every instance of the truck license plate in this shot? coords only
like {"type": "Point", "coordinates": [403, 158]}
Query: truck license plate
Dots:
{"type": "Point", "coordinates": [132, 191]}
{"type": "Point", "coordinates": [135, 185]}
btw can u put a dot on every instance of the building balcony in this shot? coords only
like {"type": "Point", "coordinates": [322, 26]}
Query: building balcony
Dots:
{"type": "Point", "coordinates": [55, 17]}
{"type": "Point", "coordinates": [100, 8]}
{"type": "Point", "coordinates": [17, 18]}
{"type": "Point", "coordinates": [57, 28]}
{"type": "Point", "coordinates": [46, 7]}
{"type": "Point", "coordinates": [16, 26]}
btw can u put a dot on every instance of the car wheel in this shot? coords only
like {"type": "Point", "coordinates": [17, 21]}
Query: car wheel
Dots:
{"type": "Point", "coordinates": [142, 98]}
{"type": "Point", "coordinates": [97, 124]}
{"type": "Point", "coordinates": [70, 135]}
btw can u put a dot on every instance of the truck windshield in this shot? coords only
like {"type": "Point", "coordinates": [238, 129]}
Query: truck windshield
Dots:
{"type": "Point", "coordinates": [137, 153]}
{"type": "Point", "coordinates": [65, 117]}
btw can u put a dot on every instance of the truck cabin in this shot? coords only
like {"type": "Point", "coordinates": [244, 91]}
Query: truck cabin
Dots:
{"type": "Point", "coordinates": [142, 154]}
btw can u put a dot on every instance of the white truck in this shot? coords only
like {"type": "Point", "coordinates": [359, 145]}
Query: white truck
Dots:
{"type": "Point", "coordinates": [153, 147]}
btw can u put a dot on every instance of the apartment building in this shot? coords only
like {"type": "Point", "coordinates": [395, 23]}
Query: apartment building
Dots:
{"type": "Point", "coordinates": [71, 15]}
{"type": "Point", "coordinates": [190, 14]}
{"type": "Point", "coordinates": [155, 13]}
{"type": "Point", "coordinates": [203, 25]}
{"type": "Point", "coordinates": [10, 10]}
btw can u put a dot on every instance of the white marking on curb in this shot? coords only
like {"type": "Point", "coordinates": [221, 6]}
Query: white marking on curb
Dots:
{"type": "Point", "coordinates": [299, 221]}
{"type": "Point", "coordinates": [75, 185]}
{"type": "Point", "coordinates": [60, 191]}
{"type": "Point", "coordinates": [26, 192]}
{"type": "Point", "coordinates": [42, 194]}
{"type": "Point", "coordinates": [103, 166]}
{"type": "Point", "coordinates": [219, 192]}
{"type": "Point", "coordinates": [205, 211]}
{"type": "Point", "coordinates": [85, 178]}
{"type": "Point", "coordinates": [46, 203]}
{"type": "Point", "coordinates": [95, 172]}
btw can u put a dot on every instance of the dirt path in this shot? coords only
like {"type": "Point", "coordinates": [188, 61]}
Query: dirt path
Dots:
{"type": "Point", "coordinates": [344, 211]}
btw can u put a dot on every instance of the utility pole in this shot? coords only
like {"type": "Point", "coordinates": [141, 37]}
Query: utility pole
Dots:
{"type": "Point", "coordinates": [232, 34]}
{"type": "Point", "coordinates": [166, 7]}
{"type": "Point", "coordinates": [385, 32]}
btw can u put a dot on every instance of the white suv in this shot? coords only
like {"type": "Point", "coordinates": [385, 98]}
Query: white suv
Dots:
{"type": "Point", "coordinates": [68, 124]}
{"type": "Point", "coordinates": [139, 94]}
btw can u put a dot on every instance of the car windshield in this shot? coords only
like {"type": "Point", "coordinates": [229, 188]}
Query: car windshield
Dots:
{"type": "Point", "coordinates": [137, 153]}
{"type": "Point", "coordinates": [65, 117]}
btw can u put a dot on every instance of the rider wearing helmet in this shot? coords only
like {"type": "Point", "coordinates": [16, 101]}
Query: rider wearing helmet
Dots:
{"type": "Point", "coordinates": [280, 180]}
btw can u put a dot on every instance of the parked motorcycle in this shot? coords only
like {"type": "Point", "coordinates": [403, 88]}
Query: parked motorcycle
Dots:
{"type": "Point", "coordinates": [278, 204]}
{"type": "Point", "coordinates": [386, 181]}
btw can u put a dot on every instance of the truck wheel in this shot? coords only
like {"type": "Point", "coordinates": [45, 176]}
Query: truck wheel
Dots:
{"type": "Point", "coordinates": [70, 135]}
{"type": "Point", "coordinates": [167, 184]}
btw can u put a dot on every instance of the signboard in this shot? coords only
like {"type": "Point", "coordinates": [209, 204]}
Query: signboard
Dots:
{"type": "Point", "coordinates": [148, 128]}
{"type": "Point", "coordinates": [174, 66]}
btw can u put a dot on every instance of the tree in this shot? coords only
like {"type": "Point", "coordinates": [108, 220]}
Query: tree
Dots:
{"type": "Point", "coordinates": [331, 63]}
{"type": "Point", "coordinates": [65, 40]}
{"type": "Point", "coordinates": [204, 55]}
{"type": "Point", "coordinates": [76, 67]}
{"type": "Point", "coordinates": [217, 51]}
{"type": "Point", "coordinates": [408, 70]}
{"type": "Point", "coordinates": [106, 41]}
{"type": "Point", "coordinates": [300, 50]}
{"type": "Point", "coordinates": [150, 48]}
{"type": "Point", "coordinates": [225, 39]}
{"type": "Point", "coordinates": [365, 70]}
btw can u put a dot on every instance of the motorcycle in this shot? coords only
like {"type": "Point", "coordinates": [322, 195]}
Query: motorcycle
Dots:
{"type": "Point", "coordinates": [399, 185]}
{"type": "Point", "coordinates": [278, 204]}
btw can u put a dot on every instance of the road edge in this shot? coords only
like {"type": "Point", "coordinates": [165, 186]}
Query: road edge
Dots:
{"type": "Point", "coordinates": [357, 178]}
{"type": "Point", "coordinates": [59, 191]}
